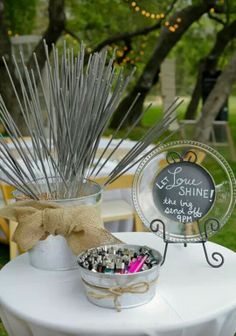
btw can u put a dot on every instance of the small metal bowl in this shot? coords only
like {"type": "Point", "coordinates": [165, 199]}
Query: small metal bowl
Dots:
{"type": "Point", "coordinates": [108, 284]}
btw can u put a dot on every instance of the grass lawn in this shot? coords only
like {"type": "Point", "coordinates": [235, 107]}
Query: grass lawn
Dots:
{"type": "Point", "coordinates": [4, 254]}
{"type": "Point", "coordinates": [2, 330]}
{"type": "Point", "coordinates": [227, 236]}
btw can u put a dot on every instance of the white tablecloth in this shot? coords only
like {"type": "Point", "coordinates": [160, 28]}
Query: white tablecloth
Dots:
{"type": "Point", "coordinates": [193, 299]}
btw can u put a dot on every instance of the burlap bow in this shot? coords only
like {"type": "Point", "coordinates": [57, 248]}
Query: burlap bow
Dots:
{"type": "Point", "coordinates": [80, 225]}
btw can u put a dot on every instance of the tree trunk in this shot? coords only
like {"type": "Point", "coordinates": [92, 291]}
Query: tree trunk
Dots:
{"type": "Point", "coordinates": [57, 21]}
{"type": "Point", "coordinates": [165, 42]}
{"type": "Point", "coordinates": [215, 100]}
{"type": "Point", "coordinates": [53, 32]}
{"type": "Point", "coordinates": [197, 91]}
{"type": "Point", "coordinates": [4, 39]}
{"type": "Point", "coordinates": [223, 37]}
{"type": "Point", "coordinates": [5, 87]}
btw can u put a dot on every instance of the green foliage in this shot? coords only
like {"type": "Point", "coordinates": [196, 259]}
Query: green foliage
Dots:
{"type": "Point", "coordinates": [2, 330]}
{"type": "Point", "coordinates": [20, 16]}
{"type": "Point", "coordinates": [194, 45]}
{"type": "Point", "coordinates": [96, 20]}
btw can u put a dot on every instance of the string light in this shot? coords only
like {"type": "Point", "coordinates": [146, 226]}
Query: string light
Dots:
{"type": "Point", "coordinates": [134, 56]}
{"type": "Point", "coordinates": [74, 40]}
{"type": "Point", "coordinates": [157, 16]}
{"type": "Point", "coordinates": [146, 13]}
{"type": "Point", "coordinates": [119, 53]}
{"type": "Point", "coordinates": [10, 33]}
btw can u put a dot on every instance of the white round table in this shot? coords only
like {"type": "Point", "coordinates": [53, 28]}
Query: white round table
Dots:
{"type": "Point", "coordinates": [193, 299]}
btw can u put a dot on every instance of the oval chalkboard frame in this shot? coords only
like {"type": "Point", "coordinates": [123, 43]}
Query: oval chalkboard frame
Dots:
{"type": "Point", "coordinates": [219, 160]}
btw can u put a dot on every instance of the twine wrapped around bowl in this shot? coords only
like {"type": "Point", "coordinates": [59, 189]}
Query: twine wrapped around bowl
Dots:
{"type": "Point", "coordinates": [119, 291]}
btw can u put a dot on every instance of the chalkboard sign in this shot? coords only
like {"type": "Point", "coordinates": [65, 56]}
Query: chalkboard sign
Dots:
{"type": "Point", "coordinates": [173, 189]}
{"type": "Point", "coordinates": [184, 191]}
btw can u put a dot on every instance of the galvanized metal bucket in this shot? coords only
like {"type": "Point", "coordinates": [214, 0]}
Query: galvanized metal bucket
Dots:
{"type": "Point", "coordinates": [132, 289]}
{"type": "Point", "coordinates": [53, 253]}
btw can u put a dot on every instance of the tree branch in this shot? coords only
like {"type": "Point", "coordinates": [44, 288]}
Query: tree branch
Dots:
{"type": "Point", "coordinates": [72, 34]}
{"type": "Point", "coordinates": [227, 11]}
{"type": "Point", "coordinates": [215, 101]}
{"type": "Point", "coordinates": [126, 35]}
{"type": "Point", "coordinates": [55, 28]}
{"type": "Point", "coordinates": [5, 44]}
{"type": "Point", "coordinates": [126, 52]}
{"type": "Point", "coordinates": [165, 42]}
{"type": "Point", "coordinates": [210, 61]}
{"type": "Point", "coordinates": [223, 37]}
{"type": "Point", "coordinates": [138, 32]}
{"type": "Point", "coordinates": [215, 18]}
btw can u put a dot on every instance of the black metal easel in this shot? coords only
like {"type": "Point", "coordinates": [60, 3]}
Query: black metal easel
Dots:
{"type": "Point", "coordinates": [213, 223]}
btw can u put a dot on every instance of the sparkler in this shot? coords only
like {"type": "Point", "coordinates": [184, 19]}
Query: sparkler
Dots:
{"type": "Point", "coordinates": [78, 102]}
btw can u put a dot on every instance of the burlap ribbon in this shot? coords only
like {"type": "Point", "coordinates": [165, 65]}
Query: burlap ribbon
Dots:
{"type": "Point", "coordinates": [116, 292]}
{"type": "Point", "coordinates": [80, 225]}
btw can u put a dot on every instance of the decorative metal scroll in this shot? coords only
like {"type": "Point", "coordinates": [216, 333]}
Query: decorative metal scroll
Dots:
{"type": "Point", "coordinates": [217, 258]}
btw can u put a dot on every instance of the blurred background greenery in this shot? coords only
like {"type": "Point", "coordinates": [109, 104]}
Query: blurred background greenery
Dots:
{"type": "Point", "coordinates": [143, 35]}
{"type": "Point", "coordinates": [135, 29]}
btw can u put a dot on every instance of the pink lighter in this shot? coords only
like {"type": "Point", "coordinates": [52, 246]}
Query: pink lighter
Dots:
{"type": "Point", "coordinates": [137, 265]}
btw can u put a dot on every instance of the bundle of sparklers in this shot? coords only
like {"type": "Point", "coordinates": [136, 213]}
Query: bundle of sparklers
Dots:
{"type": "Point", "coordinates": [78, 101]}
